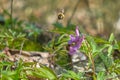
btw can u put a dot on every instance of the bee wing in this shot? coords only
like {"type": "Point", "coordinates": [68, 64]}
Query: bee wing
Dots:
{"type": "Point", "coordinates": [60, 10]}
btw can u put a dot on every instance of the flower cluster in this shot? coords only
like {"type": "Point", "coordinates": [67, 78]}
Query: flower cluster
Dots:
{"type": "Point", "coordinates": [75, 42]}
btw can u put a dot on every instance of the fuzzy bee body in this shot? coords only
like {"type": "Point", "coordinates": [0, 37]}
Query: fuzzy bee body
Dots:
{"type": "Point", "coordinates": [60, 14]}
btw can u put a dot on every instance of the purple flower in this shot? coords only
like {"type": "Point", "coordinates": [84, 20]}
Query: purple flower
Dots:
{"type": "Point", "coordinates": [75, 42]}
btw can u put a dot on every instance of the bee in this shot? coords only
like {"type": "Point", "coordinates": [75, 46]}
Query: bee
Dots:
{"type": "Point", "coordinates": [60, 14]}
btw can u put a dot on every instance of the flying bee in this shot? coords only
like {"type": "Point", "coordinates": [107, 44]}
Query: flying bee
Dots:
{"type": "Point", "coordinates": [60, 15]}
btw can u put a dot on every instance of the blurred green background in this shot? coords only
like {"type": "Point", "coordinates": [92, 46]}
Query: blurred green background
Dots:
{"type": "Point", "coordinates": [94, 17]}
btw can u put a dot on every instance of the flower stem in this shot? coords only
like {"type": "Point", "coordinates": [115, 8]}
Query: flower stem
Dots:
{"type": "Point", "coordinates": [71, 63]}
{"type": "Point", "coordinates": [91, 60]}
{"type": "Point", "coordinates": [93, 65]}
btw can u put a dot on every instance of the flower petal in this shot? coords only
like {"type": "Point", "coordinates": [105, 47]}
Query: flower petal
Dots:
{"type": "Point", "coordinates": [79, 42]}
{"type": "Point", "coordinates": [72, 39]}
{"type": "Point", "coordinates": [72, 50]}
{"type": "Point", "coordinates": [77, 31]}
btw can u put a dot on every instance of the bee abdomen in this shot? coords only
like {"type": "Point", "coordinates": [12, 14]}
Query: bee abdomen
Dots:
{"type": "Point", "coordinates": [60, 16]}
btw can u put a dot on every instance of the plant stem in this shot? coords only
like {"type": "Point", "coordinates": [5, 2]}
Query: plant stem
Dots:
{"type": "Point", "coordinates": [22, 47]}
{"type": "Point", "coordinates": [91, 60]}
{"type": "Point", "coordinates": [93, 65]}
{"type": "Point", "coordinates": [71, 63]}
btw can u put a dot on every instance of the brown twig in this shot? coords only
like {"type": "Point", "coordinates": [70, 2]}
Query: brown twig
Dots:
{"type": "Point", "coordinates": [74, 10]}
{"type": "Point", "coordinates": [92, 61]}
{"type": "Point", "coordinates": [11, 16]}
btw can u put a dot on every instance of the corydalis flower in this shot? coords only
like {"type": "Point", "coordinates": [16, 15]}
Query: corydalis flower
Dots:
{"type": "Point", "coordinates": [75, 42]}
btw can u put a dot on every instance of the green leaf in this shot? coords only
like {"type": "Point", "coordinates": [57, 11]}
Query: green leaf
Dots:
{"type": "Point", "coordinates": [72, 75]}
{"type": "Point", "coordinates": [61, 37]}
{"type": "Point", "coordinates": [45, 72]}
{"type": "Point", "coordinates": [101, 76]}
{"type": "Point", "coordinates": [110, 50]}
{"type": "Point", "coordinates": [8, 75]}
{"type": "Point", "coordinates": [111, 38]}
{"type": "Point", "coordinates": [101, 48]}
{"type": "Point", "coordinates": [116, 46]}
{"type": "Point", "coordinates": [92, 43]}
{"type": "Point", "coordinates": [4, 63]}
{"type": "Point", "coordinates": [100, 40]}
{"type": "Point", "coordinates": [107, 60]}
{"type": "Point", "coordinates": [58, 25]}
